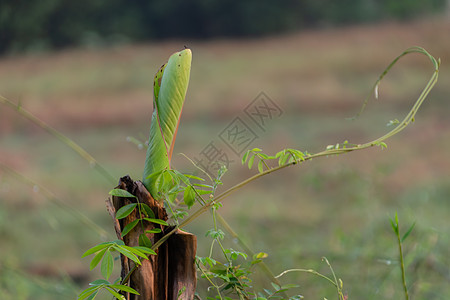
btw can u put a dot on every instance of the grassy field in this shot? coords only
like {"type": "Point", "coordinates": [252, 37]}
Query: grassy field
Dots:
{"type": "Point", "coordinates": [337, 207]}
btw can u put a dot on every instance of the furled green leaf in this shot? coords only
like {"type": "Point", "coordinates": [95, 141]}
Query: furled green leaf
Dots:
{"type": "Point", "coordinates": [170, 86]}
{"type": "Point", "coordinates": [154, 230]}
{"type": "Point", "coordinates": [107, 265]}
{"type": "Point", "coordinates": [129, 227]}
{"type": "Point", "coordinates": [121, 193]}
{"type": "Point", "coordinates": [125, 210]}
{"type": "Point", "coordinates": [394, 226]}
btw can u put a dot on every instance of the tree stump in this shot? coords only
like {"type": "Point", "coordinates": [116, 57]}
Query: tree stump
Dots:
{"type": "Point", "coordinates": [172, 270]}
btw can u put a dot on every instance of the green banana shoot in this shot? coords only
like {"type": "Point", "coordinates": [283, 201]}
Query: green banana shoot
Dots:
{"type": "Point", "coordinates": [169, 87]}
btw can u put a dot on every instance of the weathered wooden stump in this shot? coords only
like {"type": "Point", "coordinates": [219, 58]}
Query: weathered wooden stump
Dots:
{"type": "Point", "coordinates": [172, 270]}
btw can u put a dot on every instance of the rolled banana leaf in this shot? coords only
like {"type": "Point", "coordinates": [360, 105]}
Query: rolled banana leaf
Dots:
{"type": "Point", "coordinates": [170, 86]}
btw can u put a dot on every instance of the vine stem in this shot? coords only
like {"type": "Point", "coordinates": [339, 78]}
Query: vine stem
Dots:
{"type": "Point", "coordinates": [402, 125]}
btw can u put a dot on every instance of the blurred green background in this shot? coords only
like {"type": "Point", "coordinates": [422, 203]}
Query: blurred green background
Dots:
{"type": "Point", "coordinates": [87, 70]}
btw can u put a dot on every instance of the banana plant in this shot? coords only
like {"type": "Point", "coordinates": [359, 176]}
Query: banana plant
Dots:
{"type": "Point", "coordinates": [169, 87]}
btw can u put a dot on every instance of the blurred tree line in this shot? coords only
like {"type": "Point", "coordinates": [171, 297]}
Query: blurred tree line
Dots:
{"type": "Point", "coordinates": [27, 25]}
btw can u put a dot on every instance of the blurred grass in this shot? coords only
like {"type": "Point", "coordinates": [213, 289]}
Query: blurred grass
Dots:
{"type": "Point", "coordinates": [338, 207]}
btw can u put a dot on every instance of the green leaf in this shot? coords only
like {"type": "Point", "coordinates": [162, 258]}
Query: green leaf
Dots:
{"type": "Point", "coordinates": [154, 230]}
{"type": "Point", "coordinates": [408, 232]}
{"type": "Point", "coordinates": [244, 158]}
{"type": "Point", "coordinates": [121, 193]}
{"type": "Point", "coordinates": [260, 166]}
{"type": "Point", "coordinates": [280, 153]}
{"type": "Point", "coordinates": [145, 250]}
{"type": "Point", "coordinates": [194, 177]}
{"type": "Point", "coordinates": [203, 192]}
{"type": "Point", "coordinates": [99, 282]}
{"type": "Point", "coordinates": [203, 185]}
{"type": "Point", "coordinates": [107, 265]}
{"type": "Point", "coordinates": [275, 286]}
{"type": "Point", "coordinates": [118, 242]}
{"type": "Point", "coordinates": [144, 240]}
{"type": "Point", "coordinates": [147, 210]}
{"type": "Point", "coordinates": [250, 161]}
{"type": "Point", "coordinates": [394, 226]}
{"type": "Point", "coordinates": [126, 252]}
{"type": "Point", "coordinates": [96, 248]}
{"type": "Point", "coordinates": [97, 258]}
{"type": "Point", "coordinates": [170, 86]}
{"type": "Point", "coordinates": [283, 159]}
{"type": "Point", "coordinates": [129, 227]}
{"type": "Point", "coordinates": [157, 221]}
{"type": "Point", "coordinates": [290, 286]}
{"type": "Point", "coordinates": [260, 255]}
{"type": "Point", "coordinates": [114, 293]}
{"type": "Point", "coordinates": [136, 252]}
{"type": "Point", "coordinates": [215, 234]}
{"type": "Point", "coordinates": [124, 211]}
{"type": "Point", "coordinates": [189, 196]}
{"type": "Point", "coordinates": [89, 292]}
{"type": "Point", "coordinates": [265, 156]}
{"type": "Point", "coordinates": [182, 177]}
{"type": "Point", "coordinates": [124, 288]}
{"type": "Point", "coordinates": [180, 292]}
{"type": "Point", "coordinates": [164, 181]}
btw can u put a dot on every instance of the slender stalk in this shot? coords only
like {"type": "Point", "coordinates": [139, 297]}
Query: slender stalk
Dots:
{"type": "Point", "coordinates": [308, 271]}
{"type": "Point", "coordinates": [402, 125]}
{"type": "Point", "coordinates": [402, 264]}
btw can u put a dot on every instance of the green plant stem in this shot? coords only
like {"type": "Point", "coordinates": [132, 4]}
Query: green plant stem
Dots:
{"type": "Point", "coordinates": [402, 264]}
{"type": "Point", "coordinates": [307, 271]}
{"type": "Point", "coordinates": [402, 125]}
{"type": "Point", "coordinates": [209, 279]}
{"type": "Point", "coordinates": [74, 146]}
